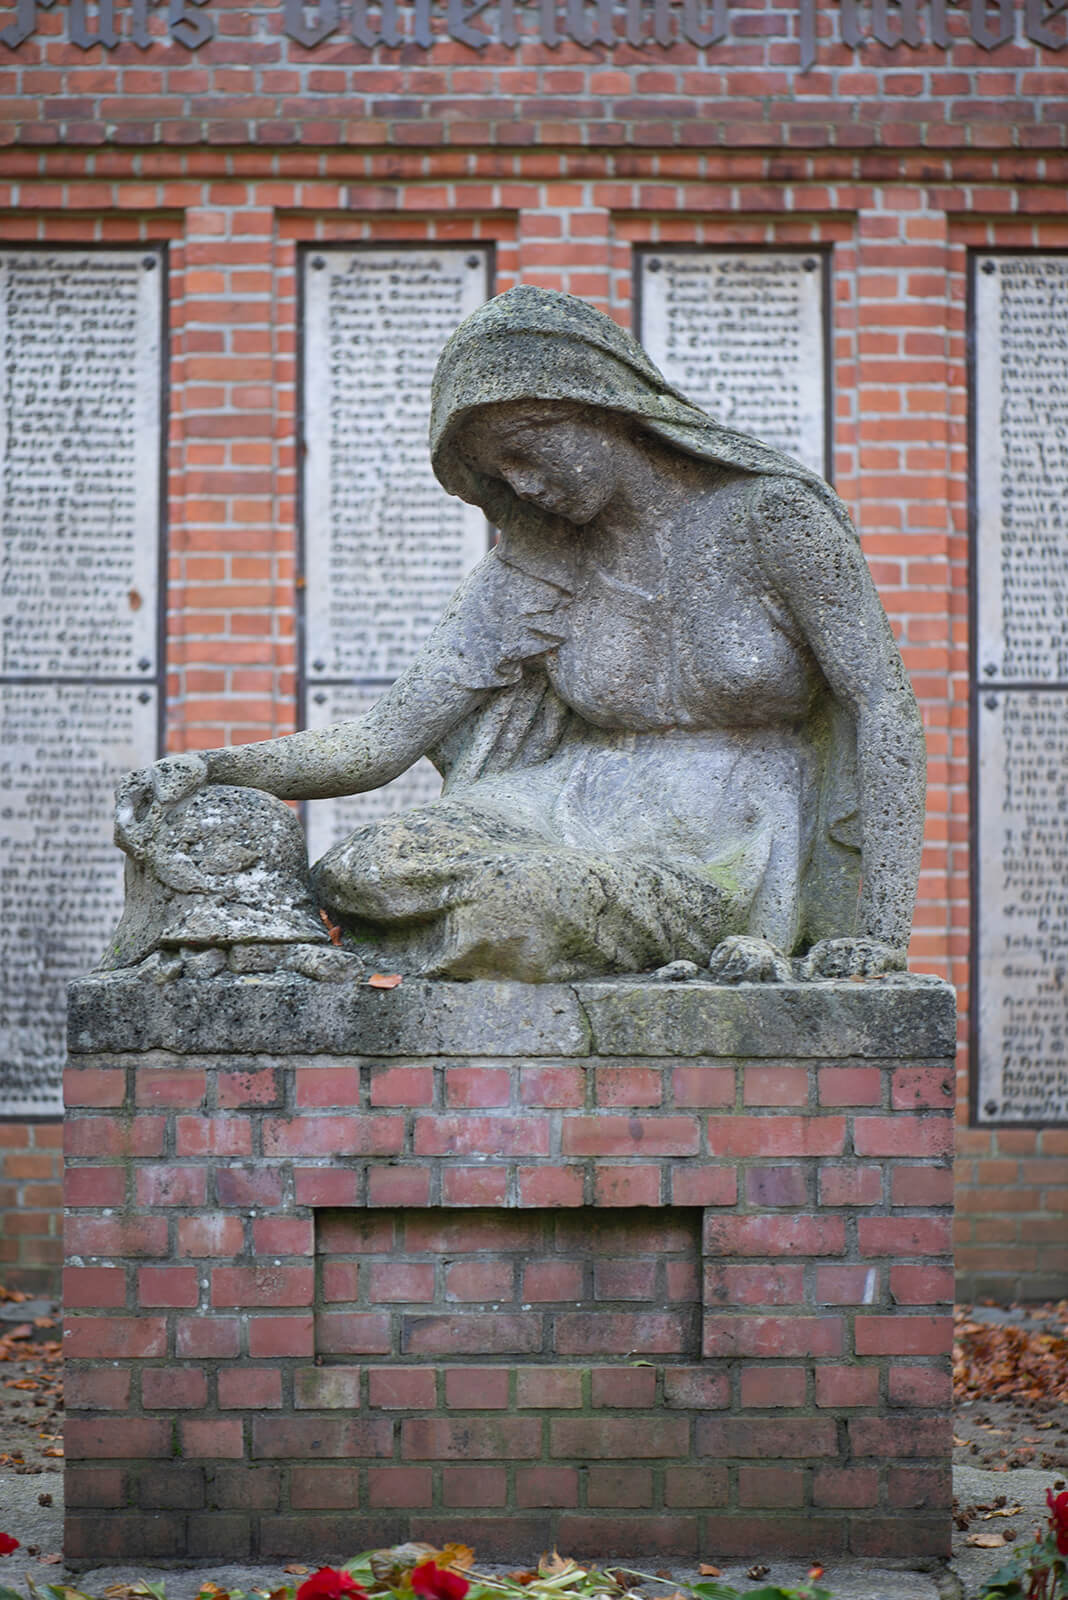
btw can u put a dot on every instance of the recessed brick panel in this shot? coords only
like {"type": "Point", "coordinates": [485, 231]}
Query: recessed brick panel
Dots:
{"type": "Point", "coordinates": [575, 1285]}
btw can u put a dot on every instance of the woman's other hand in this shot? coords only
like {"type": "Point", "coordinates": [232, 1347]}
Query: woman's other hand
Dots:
{"type": "Point", "coordinates": [852, 958]}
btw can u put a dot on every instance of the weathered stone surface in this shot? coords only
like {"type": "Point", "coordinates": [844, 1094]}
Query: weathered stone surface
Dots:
{"type": "Point", "coordinates": [886, 1018]}
{"type": "Point", "coordinates": [668, 705]}
{"type": "Point", "coordinates": [890, 1018]}
{"type": "Point", "coordinates": [218, 867]}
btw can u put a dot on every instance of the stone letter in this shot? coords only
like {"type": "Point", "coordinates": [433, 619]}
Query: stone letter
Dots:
{"type": "Point", "coordinates": [987, 37]}
{"type": "Point", "coordinates": [388, 34]}
{"type": "Point", "coordinates": [700, 36]}
{"type": "Point", "coordinates": [309, 34]}
{"type": "Point", "coordinates": [458, 29]}
{"type": "Point", "coordinates": [187, 28]}
{"type": "Point", "coordinates": [587, 32]}
{"type": "Point", "coordinates": [1037, 19]}
{"type": "Point", "coordinates": [25, 23]}
{"type": "Point", "coordinates": [104, 33]}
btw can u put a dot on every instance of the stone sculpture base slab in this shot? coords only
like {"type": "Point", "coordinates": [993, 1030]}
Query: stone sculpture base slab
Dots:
{"type": "Point", "coordinates": [621, 1267]}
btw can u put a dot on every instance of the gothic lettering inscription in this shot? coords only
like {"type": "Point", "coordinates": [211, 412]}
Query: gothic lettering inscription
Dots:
{"type": "Point", "coordinates": [62, 749]}
{"type": "Point", "coordinates": [1020, 567]}
{"type": "Point", "coordinates": [1021, 326]}
{"type": "Point", "coordinates": [742, 333]}
{"type": "Point", "coordinates": [79, 675]}
{"type": "Point", "coordinates": [79, 459]}
{"type": "Point", "coordinates": [384, 545]}
{"type": "Point", "coordinates": [1022, 958]}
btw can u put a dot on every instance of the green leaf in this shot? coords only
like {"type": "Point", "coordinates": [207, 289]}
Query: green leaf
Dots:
{"type": "Point", "coordinates": [772, 1592]}
{"type": "Point", "coordinates": [10, 1594]}
{"type": "Point", "coordinates": [714, 1591]}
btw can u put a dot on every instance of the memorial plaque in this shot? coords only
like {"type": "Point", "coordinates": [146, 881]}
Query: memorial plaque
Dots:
{"type": "Point", "coordinates": [63, 748]}
{"type": "Point", "coordinates": [1022, 925]}
{"type": "Point", "coordinates": [79, 454]}
{"type": "Point", "coordinates": [1020, 310]}
{"type": "Point", "coordinates": [80, 441]}
{"type": "Point", "coordinates": [384, 545]}
{"type": "Point", "coordinates": [1020, 577]}
{"type": "Point", "coordinates": [743, 333]}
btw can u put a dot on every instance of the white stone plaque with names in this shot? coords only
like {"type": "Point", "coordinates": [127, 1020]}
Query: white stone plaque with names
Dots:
{"type": "Point", "coordinates": [384, 545]}
{"type": "Point", "coordinates": [742, 333]}
{"type": "Point", "coordinates": [1022, 926]}
{"type": "Point", "coordinates": [80, 460]}
{"type": "Point", "coordinates": [1020, 312]}
{"type": "Point", "coordinates": [327, 821]}
{"type": "Point", "coordinates": [1020, 577]}
{"type": "Point", "coordinates": [80, 443]}
{"type": "Point", "coordinates": [62, 750]}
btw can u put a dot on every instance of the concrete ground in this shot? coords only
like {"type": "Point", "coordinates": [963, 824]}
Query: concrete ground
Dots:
{"type": "Point", "coordinates": [848, 1579]}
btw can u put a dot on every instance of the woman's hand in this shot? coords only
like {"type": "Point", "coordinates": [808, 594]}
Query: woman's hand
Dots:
{"type": "Point", "coordinates": [142, 796]}
{"type": "Point", "coordinates": [852, 958]}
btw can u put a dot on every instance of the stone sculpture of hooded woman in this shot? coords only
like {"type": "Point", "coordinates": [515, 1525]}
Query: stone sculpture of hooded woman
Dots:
{"type": "Point", "coordinates": [668, 709]}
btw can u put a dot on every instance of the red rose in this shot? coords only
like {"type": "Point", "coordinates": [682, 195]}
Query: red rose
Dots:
{"type": "Point", "coordinates": [7, 1543]}
{"type": "Point", "coordinates": [328, 1584]}
{"type": "Point", "coordinates": [432, 1582]}
{"type": "Point", "coordinates": [1058, 1518]}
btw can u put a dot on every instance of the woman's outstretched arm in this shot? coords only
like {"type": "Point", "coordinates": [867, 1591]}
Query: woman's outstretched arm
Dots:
{"type": "Point", "coordinates": [821, 575]}
{"type": "Point", "coordinates": [351, 757]}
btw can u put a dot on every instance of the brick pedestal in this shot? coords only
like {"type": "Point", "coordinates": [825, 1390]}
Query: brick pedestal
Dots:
{"type": "Point", "coordinates": [624, 1267]}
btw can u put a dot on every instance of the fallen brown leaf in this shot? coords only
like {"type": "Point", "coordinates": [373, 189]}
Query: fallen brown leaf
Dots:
{"type": "Point", "coordinates": [457, 1556]}
{"type": "Point", "coordinates": [986, 1541]}
{"type": "Point", "coordinates": [707, 1570]}
{"type": "Point", "coordinates": [552, 1566]}
{"type": "Point", "coordinates": [51, 1561]}
{"type": "Point", "coordinates": [385, 980]}
{"type": "Point", "coordinates": [295, 1566]}
{"type": "Point", "coordinates": [1002, 1511]}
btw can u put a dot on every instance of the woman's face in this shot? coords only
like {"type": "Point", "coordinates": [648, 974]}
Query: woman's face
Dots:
{"type": "Point", "coordinates": [559, 457]}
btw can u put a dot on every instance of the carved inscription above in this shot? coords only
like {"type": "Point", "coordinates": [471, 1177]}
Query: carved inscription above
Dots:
{"type": "Point", "coordinates": [62, 748]}
{"type": "Point", "coordinates": [742, 334]}
{"type": "Point", "coordinates": [1022, 964]}
{"type": "Point", "coordinates": [79, 458]}
{"type": "Point", "coordinates": [1020, 335]}
{"type": "Point", "coordinates": [384, 545]}
{"type": "Point", "coordinates": [1021, 324]}
{"type": "Point", "coordinates": [80, 441]}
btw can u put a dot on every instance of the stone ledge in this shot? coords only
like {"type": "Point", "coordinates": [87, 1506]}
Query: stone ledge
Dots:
{"type": "Point", "coordinates": [900, 1017]}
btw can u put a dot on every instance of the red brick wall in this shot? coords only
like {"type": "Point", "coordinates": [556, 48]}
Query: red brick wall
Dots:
{"type": "Point", "coordinates": [31, 1202]}
{"type": "Point", "coordinates": [901, 159]}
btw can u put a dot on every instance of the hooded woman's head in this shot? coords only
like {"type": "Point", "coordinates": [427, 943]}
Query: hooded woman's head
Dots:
{"type": "Point", "coordinates": [537, 347]}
